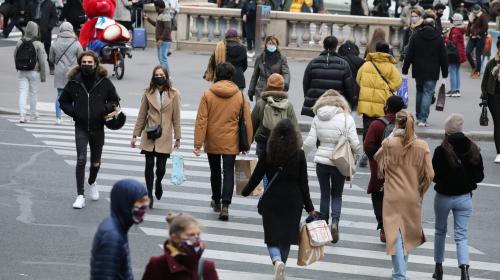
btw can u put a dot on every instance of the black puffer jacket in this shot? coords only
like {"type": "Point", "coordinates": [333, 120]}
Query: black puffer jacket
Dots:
{"type": "Point", "coordinates": [88, 108]}
{"type": "Point", "coordinates": [110, 251]}
{"type": "Point", "coordinates": [327, 71]}
{"type": "Point", "coordinates": [236, 54]}
{"type": "Point", "coordinates": [462, 178]}
{"type": "Point", "coordinates": [427, 55]}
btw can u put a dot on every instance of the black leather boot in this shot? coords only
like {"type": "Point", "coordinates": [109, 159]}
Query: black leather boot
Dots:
{"type": "Point", "coordinates": [438, 272]}
{"type": "Point", "coordinates": [464, 269]}
{"type": "Point", "coordinates": [150, 195]}
{"type": "Point", "coordinates": [158, 189]}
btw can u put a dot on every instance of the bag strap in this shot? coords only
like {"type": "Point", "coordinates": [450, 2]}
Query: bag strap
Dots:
{"type": "Point", "coordinates": [382, 76]}
{"type": "Point", "coordinates": [280, 169]}
{"type": "Point", "coordinates": [201, 268]}
{"type": "Point", "coordinates": [67, 48]}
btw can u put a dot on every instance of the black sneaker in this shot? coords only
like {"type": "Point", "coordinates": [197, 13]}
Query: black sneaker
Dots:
{"type": "Point", "coordinates": [215, 206]}
{"type": "Point", "coordinates": [224, 213]}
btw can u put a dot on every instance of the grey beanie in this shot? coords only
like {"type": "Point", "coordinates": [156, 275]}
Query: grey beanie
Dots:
{"type": "Point", "coordinates": [454, 124]}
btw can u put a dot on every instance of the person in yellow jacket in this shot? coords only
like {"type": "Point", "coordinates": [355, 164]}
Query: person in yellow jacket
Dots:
{"type": "Point", "coordinates": [298, 6]}
{"type": "Point", "coordinates": [378, 79]}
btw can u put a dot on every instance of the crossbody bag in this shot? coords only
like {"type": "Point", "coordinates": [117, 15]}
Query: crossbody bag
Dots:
{"type": "Point", "coordinates": [154, 132]}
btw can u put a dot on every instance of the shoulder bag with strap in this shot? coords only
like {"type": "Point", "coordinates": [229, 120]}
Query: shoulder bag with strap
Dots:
{"type": "Point", "coordinates": [67, 48]}
{"type": "Point", "coordinates": [154, 132]}
{"type": "Point", "coordinates": [342, 156]}
{"type": "Point", "coordinates": [382, 76]}
{"type": "Point", "coordinates": [259, 204]}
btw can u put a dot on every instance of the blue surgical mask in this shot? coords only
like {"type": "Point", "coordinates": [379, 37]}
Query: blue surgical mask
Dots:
{"type": "Point", "coordinates": [271, 48]}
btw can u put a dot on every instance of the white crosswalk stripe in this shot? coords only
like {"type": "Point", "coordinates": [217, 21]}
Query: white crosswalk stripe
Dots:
{"type": "Point", "coordinates": [358, 254]}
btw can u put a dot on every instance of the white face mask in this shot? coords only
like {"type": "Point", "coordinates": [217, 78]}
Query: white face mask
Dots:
{"type": "Point", "coordinates": [271, 48]}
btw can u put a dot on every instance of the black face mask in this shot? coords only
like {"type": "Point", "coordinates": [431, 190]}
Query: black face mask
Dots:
{"type": "Point", "coordinates": [413, 3]}
{"type": "Point", "coordinates": [87, 70]}
{"type": "Point", "coordinates": [439, 15]}
{"type": "Point", "coordinates": [159, 81]}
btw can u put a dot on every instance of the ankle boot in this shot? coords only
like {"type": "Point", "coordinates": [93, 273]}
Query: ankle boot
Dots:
{"type": "Point", "coordinates": [438, 272]}
{"type": "Point", "coordinates": [464, 272]}
{"type": "Point", "coordinates": [158, 189]}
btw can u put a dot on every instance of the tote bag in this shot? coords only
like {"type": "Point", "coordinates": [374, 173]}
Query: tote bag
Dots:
{"type": "Point", "coordinates": [342, 156]}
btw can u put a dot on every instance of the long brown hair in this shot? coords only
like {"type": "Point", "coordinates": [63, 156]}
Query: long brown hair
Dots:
{"type": "Point", "coordinates": [378, 35]}
{"type": "Point", "coordinates": [283, 145]}
{"type": "Point", "coordinates": [166, 87]}
{"type": "Point", "coordinates": [405, 120]}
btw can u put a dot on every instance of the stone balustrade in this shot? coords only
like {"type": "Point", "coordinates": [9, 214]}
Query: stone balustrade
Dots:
{"type": "Point", "coordinates": [300, 34]}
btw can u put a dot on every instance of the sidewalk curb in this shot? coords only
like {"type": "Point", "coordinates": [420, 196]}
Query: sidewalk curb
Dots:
{"type": "Point", "coordinates": [305, 127]}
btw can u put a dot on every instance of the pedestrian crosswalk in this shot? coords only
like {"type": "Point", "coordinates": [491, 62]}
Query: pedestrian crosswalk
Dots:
{"type": "Point", "coordinates": [237, 245]}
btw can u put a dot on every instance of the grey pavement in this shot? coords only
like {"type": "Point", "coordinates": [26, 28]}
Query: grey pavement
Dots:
{"type": "Point", "coordinates": [188, 68]}
{"type": "Point", "coordinates": [42, 237]}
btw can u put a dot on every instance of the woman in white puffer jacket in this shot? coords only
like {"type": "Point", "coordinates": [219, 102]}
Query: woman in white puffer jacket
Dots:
{"type": "Point", "coordinates": [332, 117]}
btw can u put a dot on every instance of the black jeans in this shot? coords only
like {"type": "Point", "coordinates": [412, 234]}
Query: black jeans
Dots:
{"type": "Point", "coordinates": [94, 138]}
{"type": "Point", "coordinates": [161, 163]}
{"type": "Point", "coordinates": [494, 106]}
{"type": "Point", "coordinates": [216, 177]}
{"type": "Point", "coordinates": [377, 201]}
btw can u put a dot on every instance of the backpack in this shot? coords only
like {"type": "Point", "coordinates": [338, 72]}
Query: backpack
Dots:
{"type": "Point", "coordinates": [272, 116]}
{"type": "Point", "coordinates": [452, 52]}
{"type": "Point", "coordinates": [26, 56]}
{"type": "Point", "coordinates": [389, 127]}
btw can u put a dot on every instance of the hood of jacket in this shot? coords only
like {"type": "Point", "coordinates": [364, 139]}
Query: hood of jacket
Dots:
{"type": "Point", "coordinates": [123, 196]}
{"type": "Point", "coordinates": [429, 33]}
{"type": "Point", "coordinates": [74, 73]}
{"type": "Point", "coordinates": [327, 112]}
{"type": "Point", "coordinates": [329, 98]}
{"type": "Point", "coordinates": [234, 51]}
{"type": "Point", "coordinates": [32, 31]}
{"type": "Point", "coordinates": [380, 57]}
{"type": "Point", "coordinates": [224, 89]}
{"type": "Point", "coordinates": [276, 99]}
{"type": "Point", "coordinates": [66, 30]}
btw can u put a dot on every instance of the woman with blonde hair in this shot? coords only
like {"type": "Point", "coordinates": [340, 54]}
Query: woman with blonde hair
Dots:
{"type": "Point", "coordinates": [332, 119]}
{"type": "Point", "coordinates": [405, 163]}
{"type": "Point", "coordinates": [160, 112]}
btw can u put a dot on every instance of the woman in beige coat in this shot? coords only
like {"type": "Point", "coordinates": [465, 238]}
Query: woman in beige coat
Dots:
{"type": "Point", "coordinates": [405, 163]}
{"type": "Point", "coordinates": [160, 105]}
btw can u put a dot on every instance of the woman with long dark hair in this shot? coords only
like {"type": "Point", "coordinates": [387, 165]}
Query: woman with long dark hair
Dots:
{"type": "Point", "coordinates": [378, 35]}
{"type": "Point", "coordinates": [160, 110]}
{"type": "Point", "coordinates": [286, 196]}
{"type": "Point", "coordinates": [458, 167]}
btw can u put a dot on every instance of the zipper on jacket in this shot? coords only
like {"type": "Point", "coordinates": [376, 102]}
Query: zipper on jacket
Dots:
{"type": "Point", "coordinates": [88, 98]}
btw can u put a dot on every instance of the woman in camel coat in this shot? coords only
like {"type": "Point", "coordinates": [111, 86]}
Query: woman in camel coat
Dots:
{"type": "Point", "coordinates": [405, 163]}
{"type": "Point", "coordinates": [160, 104]}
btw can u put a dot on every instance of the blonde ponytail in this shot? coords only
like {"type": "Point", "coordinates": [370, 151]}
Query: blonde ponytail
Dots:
{"type": "Point", "coordinates": [405, 120]}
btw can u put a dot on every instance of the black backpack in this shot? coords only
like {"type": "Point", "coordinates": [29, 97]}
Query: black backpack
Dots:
{"type": "Point", "coordinates": [26, 56]}
{"type": "Point", "coordinates": [389, 127]}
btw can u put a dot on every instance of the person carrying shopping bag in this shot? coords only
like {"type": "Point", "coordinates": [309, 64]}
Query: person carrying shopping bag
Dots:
{"type": "Point", "coordinates": [287, 193]}
{"type": "Point", "coordinates": [159, 117]}
{"type": "Point", "coordinates": [332, 120]}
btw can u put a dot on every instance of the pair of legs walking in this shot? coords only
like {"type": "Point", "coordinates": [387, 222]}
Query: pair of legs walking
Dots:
{"type": "Point", "coordinates": [279, 255]}
{"type": "Point", "coordinates": [331, 184]}
{"type": "Point", "coordinates": [475, 45]}
{"type": "Point", "coordinates": [400, 260]}
{"type": "Point", "coordinates": [222, 188]}
{"type": "Point", "coordinates": [494, 107]}
{"type": "Point", "coordinates": [149, 174]}
{"type": "Point", "coordinates": [425, 92]}
{"type": "Point", "coordinates": [29, 84]}
{"type": "Point", "coordinates": [163, 54]}
{"type": "Point", "coordinates": [454, 71]}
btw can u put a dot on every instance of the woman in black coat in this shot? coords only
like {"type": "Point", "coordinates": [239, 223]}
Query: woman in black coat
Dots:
{"type": "Point", "coordinates": [458, 167]}
{"type": "Point", "coordinates": [286, 196]}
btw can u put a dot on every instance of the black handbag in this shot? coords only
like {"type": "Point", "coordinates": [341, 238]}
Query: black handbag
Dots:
{"type": "Point", "coordinates": [242, 127]}
{"type": "Point", "coordinates": [483, 119]}
{"type": "Point", "coordinates": [259, 204]}
{"type": "Point", "coordinates": [154, 132]}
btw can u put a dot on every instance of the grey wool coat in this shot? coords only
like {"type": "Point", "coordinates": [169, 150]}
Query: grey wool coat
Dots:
{"type": "Point", "coordinates": [64, 61]}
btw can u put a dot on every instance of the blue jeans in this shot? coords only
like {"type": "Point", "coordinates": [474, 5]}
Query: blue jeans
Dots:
{"type": "Point", "coordinates": [425, 91]}
{"type": "Point", "coordinates": [399, 261]}
{"type": "Point", "coordinates": [478, 44]}
{"type": "Point", "coordinates": [58, 107]}
{"type": "Point", "coordinates": [162, 54]}
{"type": "Point", "coordinates": [461, 206]}
{"type": "Point", "coordinates": [454, 70]}
{"type": "Point", "coordinates": [331, 184]}
{"type": "Point", "coordinates": [279, 253]}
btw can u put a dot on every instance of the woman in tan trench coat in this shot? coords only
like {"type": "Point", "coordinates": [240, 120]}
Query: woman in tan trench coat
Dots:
{"type": "Point", "coordinates": [160, 105]}
{"type": "Point", "coordinates": [405, 163]}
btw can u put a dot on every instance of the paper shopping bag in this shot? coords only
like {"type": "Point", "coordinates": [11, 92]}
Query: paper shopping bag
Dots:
{"type": "Point", "coordinates": [243, 170]}
{"type": "Point", "coordinates": [307, 253]}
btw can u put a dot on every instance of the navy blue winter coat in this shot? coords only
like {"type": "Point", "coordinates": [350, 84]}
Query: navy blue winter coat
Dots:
{"type": "Point", "coordinates": [110, 252]}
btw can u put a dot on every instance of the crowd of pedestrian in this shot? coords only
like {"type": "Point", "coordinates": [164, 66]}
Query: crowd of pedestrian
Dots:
{"type": "Point", "coordinates": [334, 84]}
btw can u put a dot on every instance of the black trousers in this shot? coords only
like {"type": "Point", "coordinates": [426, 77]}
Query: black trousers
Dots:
{"type": "Point", "coordinates": [366, 123]}
{"type": "Point", "coordinates": [494, 106]}
{"type": "Point", "coordinates": [222, 189]}
{"type": "Point", "coordinates": [9, 25]}
{"type": "Point", "coordinates": [250, 28]}
{"type": "Point", "coordinates": [149, 174]}
{"type": "Point", "coordinates": [377, 201]}
{"type": "Point", "coordinates": [95, 139]}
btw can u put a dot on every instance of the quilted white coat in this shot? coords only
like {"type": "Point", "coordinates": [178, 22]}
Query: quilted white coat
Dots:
{"type": "Point", "coordinates": [327, 126]}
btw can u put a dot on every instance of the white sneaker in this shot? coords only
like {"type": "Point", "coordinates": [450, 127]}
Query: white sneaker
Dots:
{"type": "Point", "coordinates": [421, 124]}
{"type": "Point", "coordinates": [79, 202]}
{"type": "Point", "coordinates": [456, 94]}
{"type": "Point", "coordinates": [22, 119]}
{"type": "Point", "coordinates": [279, 270]}
{"type": "Point", "coordinates": [58, 121]}
{"type": "Point", "coordinates": [497, 159]}
{"type": "Point", "coordinates": [94, 193]}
